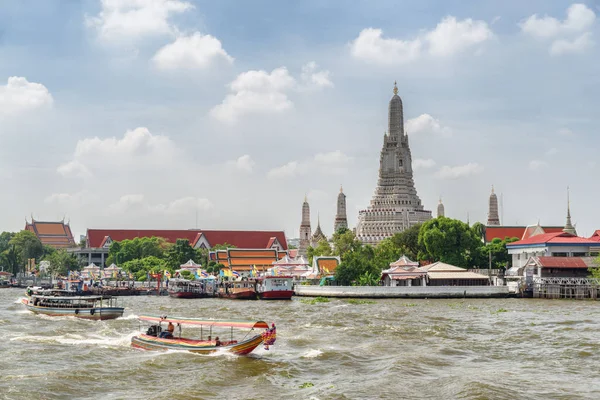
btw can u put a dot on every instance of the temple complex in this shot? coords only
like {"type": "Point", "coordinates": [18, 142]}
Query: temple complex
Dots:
{"type": "Point", "coordinates": [53, 234]}
{"type": "Point", "coordinates": [395, 206]}
{"type": "Point", "coordinates": [493, 218]}
{"type": "Point", "coordinates": [318, 235]}
{"type": "Point", "coordinates": [305, 231]}
{"type": "Point", "coordinates": [341, 220]}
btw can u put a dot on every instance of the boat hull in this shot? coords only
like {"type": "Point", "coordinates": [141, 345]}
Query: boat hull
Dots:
{"type": "Point", "coordinates": [95, 313]}
{"type": "Point", "coordinates": [276, 295]}
{"type": "Point", "coordinates": [147, 342]}
{"type": "Point", "coordinates": [240, 295]}
{"type": "Point", "coordinates": [187, 295]}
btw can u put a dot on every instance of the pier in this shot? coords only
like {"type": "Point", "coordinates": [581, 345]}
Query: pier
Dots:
{"type": "Point", "coordinates": [414, 292]}
{"type": "Point", "coordinates": [566, 288]}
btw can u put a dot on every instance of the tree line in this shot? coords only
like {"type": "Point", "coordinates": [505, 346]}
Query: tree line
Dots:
{"type": "Point", "coordinates": [441, 239]}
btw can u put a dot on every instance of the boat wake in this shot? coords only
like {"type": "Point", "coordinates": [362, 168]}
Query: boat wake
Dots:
{"type": "Point", "coordinates": [313, 353]}
{"type": "Point", "coordinates": [127, 317]}
{"type": "Point", "coordinates": [75, 339]}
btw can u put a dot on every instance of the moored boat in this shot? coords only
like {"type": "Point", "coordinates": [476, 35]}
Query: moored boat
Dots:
{"type": "Point", "coordinates": [275, 287]}
{"type": "Point", "coordinates": [242, 290]}
{"type": "Point", "coordinates": [87, 307]}
{"type": "Point", "coordinates": [185, 289]}
{"type": "Point", "coordinates": [155, 338]}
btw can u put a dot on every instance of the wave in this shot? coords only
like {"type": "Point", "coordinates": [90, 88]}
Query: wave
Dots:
{"type": "Point", "coordinates": [313, 353]}
{"type": "Point", "coordinates": [75, 339]}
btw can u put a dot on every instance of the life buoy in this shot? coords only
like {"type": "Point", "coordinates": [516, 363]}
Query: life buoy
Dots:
{"type": "Point", "coordinates": [92, 311]}
{"type": "Point", "coordinates": [76, 311]}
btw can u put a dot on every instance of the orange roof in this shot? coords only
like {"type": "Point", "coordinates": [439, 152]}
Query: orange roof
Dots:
{"type": "Point", "coordinates": [502, 232]}
{"type": "Point", "coordinates": [54, 234]}
{"type": "Point", "coordinates": [251, 253]}
{"type": "Point", "coordinates": [251, 261]}
{"type": "Point", "coordinates": [329, 263]}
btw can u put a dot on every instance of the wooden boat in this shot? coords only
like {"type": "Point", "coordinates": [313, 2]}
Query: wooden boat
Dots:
{"type": "Point", "coordinates": [155, 339]}
{"type": "Point", "coordinates": [185, 289]}
{"type": "Point", "coordinates": [242, 290]}
{"type": "Point", "coordinates": [275, 287]}
{"type": "Point", "coordinates": [87, 307]}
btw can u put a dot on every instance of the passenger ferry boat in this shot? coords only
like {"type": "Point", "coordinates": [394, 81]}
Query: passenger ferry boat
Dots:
{"type": "Point", "coordinates": [87, 307]}
{"type": "Point", "coordinates": [242, 290]}
{"type": "Point", "coordinates": [155, 338]}
{"type": "Point", "coordinates": [275, 287]}
{"type": "Point", "coordinates": [185, 289]}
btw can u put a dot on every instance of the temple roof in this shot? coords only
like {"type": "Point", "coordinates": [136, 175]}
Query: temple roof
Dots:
{"type": "Point", "coordinates": [54, 234]}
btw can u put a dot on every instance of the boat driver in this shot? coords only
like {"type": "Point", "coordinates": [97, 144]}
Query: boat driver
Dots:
{"type": "Point", "coordinates": [170, 329]}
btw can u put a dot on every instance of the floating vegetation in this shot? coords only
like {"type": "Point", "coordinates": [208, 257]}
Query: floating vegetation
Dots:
{"type": "Point", "coordinates": [500, 310]}
{"type": "Point", "coordinates": [306, 385]}
{"type": "Point", "coordinates": [357, 301]}
{"type": "Point", "coordinates": [315, 300]}
{"type": "Point", "coordinates": [409, 305]}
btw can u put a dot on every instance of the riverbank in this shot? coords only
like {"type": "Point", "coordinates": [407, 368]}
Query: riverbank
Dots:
{"type": "Point", "coordinates": [414, 292]}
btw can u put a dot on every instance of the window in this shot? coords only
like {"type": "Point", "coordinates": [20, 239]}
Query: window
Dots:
{"type": "Point", "coordinates": [579, 254]}
{"type": "Point", "coordinates": [559, 254]}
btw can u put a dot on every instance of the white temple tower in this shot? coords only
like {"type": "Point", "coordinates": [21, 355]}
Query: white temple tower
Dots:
{"type": "Point", "coordinates": [440, 209]}
{"type": "Point", "coordinates": [305, 231]}
{"type": "Point", "coordinates": [493, 218]}
{"type": "Point", "coordinates": [341, 220]}
{"type": "Point", "coordinates": [395, 206]}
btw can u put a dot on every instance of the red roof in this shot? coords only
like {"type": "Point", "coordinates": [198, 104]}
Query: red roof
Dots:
{"type": "Point", "coordinates": [596, 236]}
{"type": "Point", "coordinates": [241, 239]}
{"type": "Point", "coordinates": [562, 262]}
{"type": "Point", "coordinates": [502, 232]}
{"type": "Point", "coordinates": [553, 238]}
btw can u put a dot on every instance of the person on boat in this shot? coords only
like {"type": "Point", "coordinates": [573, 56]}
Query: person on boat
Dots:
{"type": "Point", "coordinates": [171, 328]}
{"type": "Point", "coordinates": [217, 342]}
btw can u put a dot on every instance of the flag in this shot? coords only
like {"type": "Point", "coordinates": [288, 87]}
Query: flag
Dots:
{"type": "Point", "coordinates": [254, 271]}
{"type": "Point", "coordinates": [222, 272]}
{"type": "Point", "coordinates": [204, 274]}
{"type": "Point", "coordinates": [326, 271]}
{"type": "Point", "coordinates": [167, 274]}
{"type": "Point", "coordinates": [130, 275]}
{"type": "Point", "coordinates": [235, 273]}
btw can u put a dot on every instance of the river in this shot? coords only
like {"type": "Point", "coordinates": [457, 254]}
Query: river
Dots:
{"type": "Point", "coordinates": [341, 349]}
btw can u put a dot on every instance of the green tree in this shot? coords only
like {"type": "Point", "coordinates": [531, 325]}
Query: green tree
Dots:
{"type": "Point", "coordinates": [61, 262]}
{"type": "Point", "coordinates": [479, 230]}
{"type": "Point", "coordinates": [180, 253]}
{"type": "Point", "coordinates": [407, 241]}
{"type": "Point", "coordinates": [595, 271]}
{"type": "Point", "coordinates": [27, 246]}
{"type": "Point", "coordinates": [323, 249]}
{"type": "Point", "coordinates": [344, 241]}
{"type": "Point", "coordinates": [223, 246]}
{"type": "Point", "coordinates": [356, 264]}
{"type": "Point", "coordinates": [11, 260]}
{"type": "Point", "coordinates": [5, 238]}
{"type": "Point", "coordinates": [498, 253]}
{"type": "Point", "coordinates": [141, 266]}
{"type": "Point", "coordinates": [137, 248]}
{"type": "Point", "coordinates": [450, 241]}
{"type": "Point", "coordinates": [386, 252]}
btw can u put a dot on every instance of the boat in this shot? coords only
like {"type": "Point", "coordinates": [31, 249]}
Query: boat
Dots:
{"type": "Point", "coordinates": [155, 338]}
{"type": "Point", "coordinates": [275, 287]}
{"type": "Point", "coordinates": [186, 289]}
{"type": "Point", "coordinates": [242, 290]}
{"type": "Point", "coordinates": [87, 307]}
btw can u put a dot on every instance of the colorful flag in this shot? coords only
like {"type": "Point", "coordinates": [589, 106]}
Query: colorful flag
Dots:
{"type": "Point", "coordinates": [235, 273]}
{"type": "Point", "coordinates": [204, 274]}
{"type": "Point", "coordinates": [221, 272]}
{"type": "Point", "coordinates": [167, 274]}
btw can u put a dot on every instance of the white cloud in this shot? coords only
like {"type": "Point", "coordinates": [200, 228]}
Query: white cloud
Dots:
{"type": "Point", "coordinates": [425, 123]}
{"type": "Point", "coordinates": [459, 171]}
{"type": "Point", "coordinates": [196, 51]}
{"type": "Point", "coordinates": [577, 45]}
{"type": "Point", "coordinates": [138, 203]}
{"type": "Point", "coordinates": [288, 170]}
{"type": "Point", "coordinates": [565, 132]}
{"type": "Point", "coordinates": [255, 92]}
{"type": "Point", "coordinates": [449, 37]}
{"type": "Point", "coordinates": [552, 151]}
{"type": "Point", "coordinates": [244, 163]}
{"type": "Point", "coordinates": [137, 149]}
{"type": "Point", "coordinates": [579, 18]}
{"type": "Point", "coordinates": [119, 20]}
{"type": "Point", "coordinates": [312, 77]}
{"type": "Point", "coordinates": [67, 199]}
{"type": "Point", "coordinates": [333, 163]}
{"type": "Point", "coordinates": [420, 163]}
{"type": "Point", "coordinates": [20, 95]}
{"type": "Point", "coordinates": [535, 165]}
{"type": "Point", "coordinates": [371, 46]}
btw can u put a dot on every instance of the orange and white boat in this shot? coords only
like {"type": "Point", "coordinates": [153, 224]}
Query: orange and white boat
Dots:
{"type": "Point", "coordinates": [157, 338]}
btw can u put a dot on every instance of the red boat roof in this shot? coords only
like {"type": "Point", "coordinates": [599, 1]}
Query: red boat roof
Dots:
{"type": "Point", "coordinates": [205, 322]}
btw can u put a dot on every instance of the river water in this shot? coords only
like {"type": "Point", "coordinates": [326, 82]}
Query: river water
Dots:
{"type": "Point", "coordinates": [341, 349]}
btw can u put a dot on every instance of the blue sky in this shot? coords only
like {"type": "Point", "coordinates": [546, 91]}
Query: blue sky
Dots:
{"type": "Point", "coordinates": [237, 109]}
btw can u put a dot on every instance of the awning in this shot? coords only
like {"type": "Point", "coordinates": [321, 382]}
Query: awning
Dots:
{"type": "Point", "coordinates": [402, 277]}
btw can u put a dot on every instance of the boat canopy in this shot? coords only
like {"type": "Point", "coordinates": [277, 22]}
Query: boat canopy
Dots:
{"type": "Point", "coordinates": [206, 322]}
{"type": "Point", "coordinates": [73, 298]}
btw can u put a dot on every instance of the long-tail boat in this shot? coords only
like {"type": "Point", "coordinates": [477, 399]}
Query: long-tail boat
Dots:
{"type": "Point", "coordinates": [185, 289]}
{"type": "Point", "coordinates": [155, 338]}
{"type": "Point", "coordinates": [275, 287]}
{"type": "Point", "coordinates": [242, 290]}
{"type": "Point", "coordinates": [87, 307]}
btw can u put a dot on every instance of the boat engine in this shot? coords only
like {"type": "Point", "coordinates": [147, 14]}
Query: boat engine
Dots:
{"type": "Point", "coordinates": [153, 330]}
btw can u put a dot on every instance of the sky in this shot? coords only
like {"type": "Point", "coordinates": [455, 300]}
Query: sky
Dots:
{"type": "Point", "coordinates": [181, 114]}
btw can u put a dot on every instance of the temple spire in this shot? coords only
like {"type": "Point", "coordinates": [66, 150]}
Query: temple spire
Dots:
{"type": "Point", "coordinates": [493, 218]}
{"type": "Point", "coordinates": [395, 88]}
{"type": "Point", "coordinates": [569, 228]}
